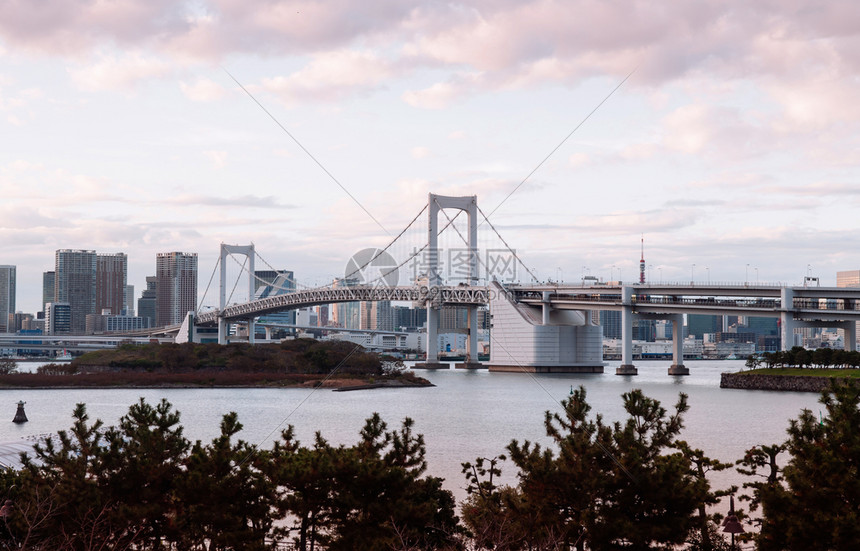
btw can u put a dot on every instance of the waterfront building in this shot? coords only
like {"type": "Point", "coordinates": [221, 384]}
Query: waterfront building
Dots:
{"type": "Point", "coordinates": [270, 283]}
{"type": "Point", "coordinates": [7, 297]}
{"type": "Point", "coordinates": [146, 302]}
{"type": "Point", "coordinates": [698, 325]}
{"type": "Point", "coordinates": [176, 287]}
{"type": "Point", "coordinates": [19, 321]}
{"type": "Point", "coordinates": [111, 282]}
{"type": "Point", "coordinates": [58, 318]}
{"type": "Point", "coordinates": [75, 285]}
{"type": "Point", "coordinates": [346, 314]}
{"type": "Point", "coordinates": [123, 324]}
{"type": "Point", "coordinates": [128, 302]}
{"type": "Point", "coordinates": [409, 319]}
{"type": "Point", "coordinates": [48, 282]}
{"type": "Point", "coordinates": [611, 322]}
{"type": "Point", "coordinates": [848, 278]}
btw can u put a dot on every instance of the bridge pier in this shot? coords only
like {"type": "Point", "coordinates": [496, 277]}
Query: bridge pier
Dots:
{"type": "Point", "coordinates": [786, 317]}
{"type": "Point", "coordinates": [432, 353]}
{"type": "Point", "coordinates": [627, 367]}
{"type": "Point", "coordinates": [678, 367]}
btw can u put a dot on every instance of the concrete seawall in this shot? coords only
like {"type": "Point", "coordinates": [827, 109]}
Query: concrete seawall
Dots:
{"type": "Point", "coordinates": [791, 383]}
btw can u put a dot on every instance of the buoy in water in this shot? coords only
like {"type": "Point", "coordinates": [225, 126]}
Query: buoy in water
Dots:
{"type": "Point", "coordinates": [20, 416]}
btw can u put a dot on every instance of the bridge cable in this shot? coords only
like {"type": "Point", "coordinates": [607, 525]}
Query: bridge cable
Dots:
{"type": "Point", "coordinates": [237, 280]}
{"type": "Point", "coordinates": [199, 306]}
{"type": "Point", "coordinates": [545, 159]}
{"type": "Point", "coordinates": [380, 251]}
{"type": "Point", "coordinates": [303, 148]}
{"type": "Point", "coordinates": [416, 253]}
{"type": "Point", "coordinates": [512, 251]}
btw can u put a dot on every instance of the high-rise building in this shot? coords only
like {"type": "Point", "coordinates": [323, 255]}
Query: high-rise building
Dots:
{"type": "Point", "coordinates": [48, 293]}
{"type": "Point", "coordinates": [75, 284]}
{"type": "Point", "coordinates": [146, 302]}
{"type": "Point", "coordinates": [7, 297]}
{"type": "Point", "coordinates": [849, 278]}
{"type": "Point", "coordinates": [176, 290]}
{"type": "Point", "coordinates": [58, 318]}
{"type": "Point", "coordinates": [111, 278]}
{"type": "Point", "coordinates": [128, 302]}
{"type": "Point", "coordinates": [346, 314]}
{"type": "Point", "coordinates": [702, 324]}
{"type": "Point", "coordinates": [270, 283]}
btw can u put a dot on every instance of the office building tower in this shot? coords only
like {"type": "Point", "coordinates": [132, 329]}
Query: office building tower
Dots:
{"type": "Point", "coordinates": [271, 283]}
{"type": "Point", "coordinates": [176, 287]}
{"type": "Point", "coordinates": [111, 279]}
{"type": "Point", "coordinates": [146, 302]}
{"type": "Point", "coordinates": [128, 303]}
{"type": "Point", "coordinates": [7, 297]}
{"type": "Point", "coordinates": [346, 314]}
{"type": "Point", "coordinates": [58, 318]}
{"type": "Point", "coordinates": [75, 285]}
{"type": "Point", "coordinates": [849, 278]}
{"type": "Point", "coordinates": [699, 325]}
{"type": "Point", "coordinates": [48, 292]}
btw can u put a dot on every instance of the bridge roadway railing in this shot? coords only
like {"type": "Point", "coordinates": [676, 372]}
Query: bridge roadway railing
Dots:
{"type": "Point", "coordinates": [461, 294]}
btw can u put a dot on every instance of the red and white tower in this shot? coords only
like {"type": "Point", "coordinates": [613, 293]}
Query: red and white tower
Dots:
{"type": "Point", "coordinates": [642, 263]}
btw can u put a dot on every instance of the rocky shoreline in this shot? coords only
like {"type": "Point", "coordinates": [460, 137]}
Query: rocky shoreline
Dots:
{"type": "Point", "coordinates": [789, 383]}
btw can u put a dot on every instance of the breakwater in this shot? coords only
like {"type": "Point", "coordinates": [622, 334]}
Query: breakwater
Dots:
{"type": "Point", "coordinates": [791, 383]}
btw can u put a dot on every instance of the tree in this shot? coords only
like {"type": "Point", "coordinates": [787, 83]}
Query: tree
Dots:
{"type": "Point", "coordinates": [815, 502]}
{"type": "Point", "coordinates": [224, 498]}
{"type": "Point", "coordinates": [8, 366]}
{"type": "Point", "coordinates": [142, 465]}
{"type": "Point", "coordinates": [605, 486]}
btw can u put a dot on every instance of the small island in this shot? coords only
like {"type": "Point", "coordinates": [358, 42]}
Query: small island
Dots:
{"type": "Point", "coordinates": [796, 370]}
{"type": "Point", "coordinates": [293, 363]}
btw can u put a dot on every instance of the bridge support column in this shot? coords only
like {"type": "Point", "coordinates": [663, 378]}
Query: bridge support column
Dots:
{"type": "Point", "coordinates": [268, 331]}
{"type": "Point", "coordinates": [627, 367]}
{"type": "Point", "coordinates": [678, 367]}
{"type": "Point", "coordinates": [471, 343]}
{"type": "Point", "coordinates": [252, 330]}
{"type": "Point", "coordinates": [850, 343]}
{"type": "Point", "coordinates": [432, 352]}
{"type": "Point", "coordinates": [786, 318]}
{"type": "Point", "coordinates": [222, 331]}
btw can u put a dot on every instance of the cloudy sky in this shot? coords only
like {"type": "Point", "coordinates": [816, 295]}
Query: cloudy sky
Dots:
{"type": "Point", "coordinates": [733, 147]}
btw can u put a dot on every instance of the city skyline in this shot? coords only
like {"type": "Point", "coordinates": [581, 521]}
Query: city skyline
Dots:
{"type": "Point", "coordinates": [731, 147]}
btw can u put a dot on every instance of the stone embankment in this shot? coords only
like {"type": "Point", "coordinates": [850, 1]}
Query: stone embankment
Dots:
{"type": "Point", "coordinates": [791, 383]}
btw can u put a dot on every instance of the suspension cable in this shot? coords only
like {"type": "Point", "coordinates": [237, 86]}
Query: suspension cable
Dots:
{"type": "Point", "coordinates": [202, 300]}
{"type": "Point", "coordinates": [512, 251]}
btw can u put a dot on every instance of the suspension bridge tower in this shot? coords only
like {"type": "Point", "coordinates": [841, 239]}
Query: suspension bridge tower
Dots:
{"type": "Point", "coordinates": [227, 250]}
{"type": "Point", "coordinates": [437, 204]}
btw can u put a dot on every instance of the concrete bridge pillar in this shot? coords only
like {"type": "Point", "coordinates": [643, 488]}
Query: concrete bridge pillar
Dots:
{"type": "Point", "coordinates": [268, 331]}
{"type": "Point", "coordinates": [627, 367]}
{"type": "Point", "coordinates": [850, 328]}
{"type": "Point", "coordinates": [786, 318]}
{"type": "Point", "coordinates": [678, 367]}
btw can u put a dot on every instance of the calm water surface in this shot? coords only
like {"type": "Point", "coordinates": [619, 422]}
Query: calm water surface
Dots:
{"type": "Point", "coordinates": [466, 415]}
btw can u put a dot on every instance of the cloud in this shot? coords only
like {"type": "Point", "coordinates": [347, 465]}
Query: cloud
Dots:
{"type": "Point", "coordinates": [115, 73]}
{"type": "Point", "coordinates": [202, 90]}
{"type": "Point", "coordinates": [420, 152]}
{"type": "Point", "coordinates": [331, 76]}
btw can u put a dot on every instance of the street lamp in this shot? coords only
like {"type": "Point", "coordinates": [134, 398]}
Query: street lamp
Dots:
{"type": "Point", "coordinates": [612, 273]}
{"type": "Point", "coordinates": [708, 270]}
{"type": "Point", "coordinates": [747, 275]}
{"type": "Point", "coordinates": [731, 524]}
{"type": "Point", "coordinates": [756, 276]}
{"type": "Point", "coordinates": [692, 274]}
